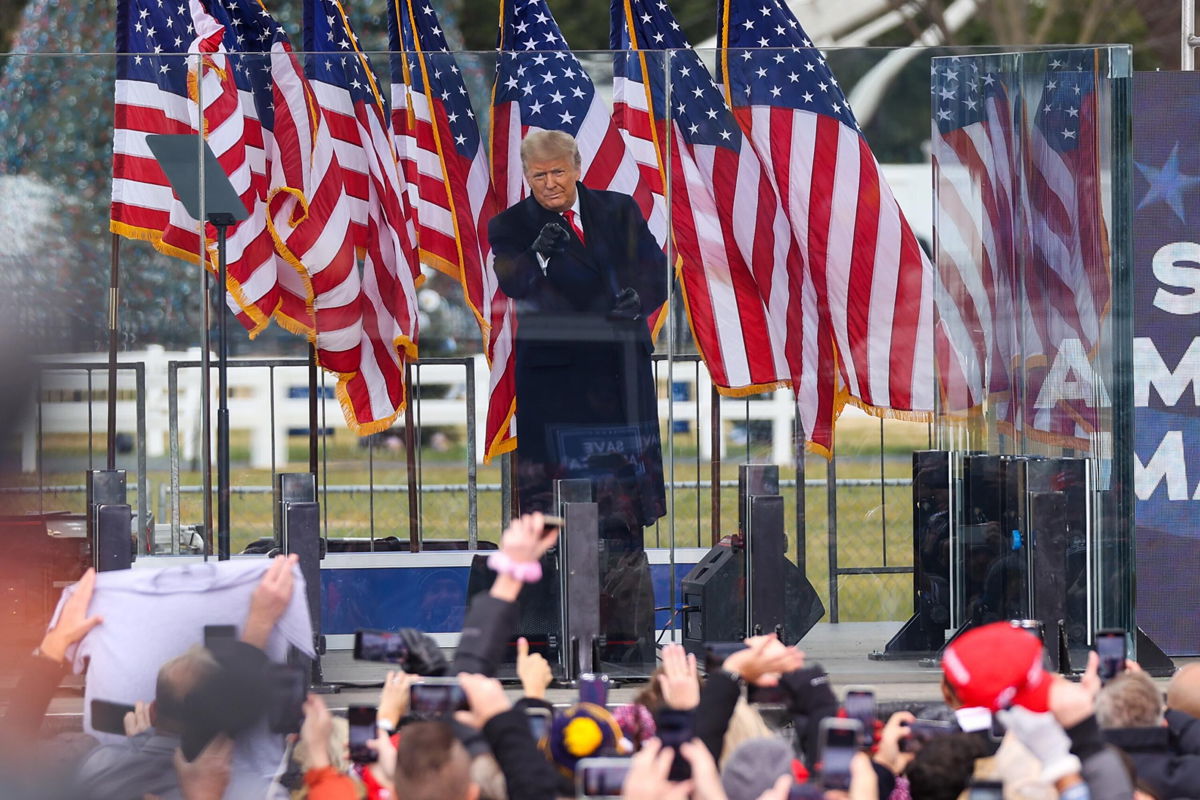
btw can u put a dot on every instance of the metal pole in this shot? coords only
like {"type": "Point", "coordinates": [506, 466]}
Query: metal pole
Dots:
{"type": "Point", "coordinates": [715, 475]}
{"type": "Point", "coordinates": [801, 520]}
{"type": "Point", "coordinates": [222, 223]}
{"type": "Point", "coordinates": [1187, 36]}
{"type": "Point", "coordinates": [114, 289]}
{"type": "Point", "coordinates": [206, 411]}
{"type": "Point", "coordinates": [831, 510]}
{"type": "Point", "coordinates": [410, 445]}
{"type": "Point", "coordinates": [313, 427]}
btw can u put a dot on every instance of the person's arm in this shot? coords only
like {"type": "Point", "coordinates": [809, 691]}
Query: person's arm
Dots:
{"type": "Point", "coordinates": [44, 669]}
{"type": "Point", "coordinates": [270, 599]}
{"type": "Point", "coordinates": [516, 261]}
{"type": "Point", "coordinates": [811, 700]}
{"type": "Point", "coordinates": [527, 773]}
{"type": "Point", "coordinates": [761, 663]}
{"type": "Point", "coordinates": [324, 782]}
{"type": "Point", "coordinates": [492, 618]}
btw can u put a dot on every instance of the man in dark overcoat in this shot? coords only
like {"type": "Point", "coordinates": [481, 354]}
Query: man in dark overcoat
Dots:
{"type": "Point", "coordinates": [584, 273]}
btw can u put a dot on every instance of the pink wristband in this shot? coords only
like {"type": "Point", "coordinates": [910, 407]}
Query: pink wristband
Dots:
{"type": "Point", "coordinates": [524, 571]}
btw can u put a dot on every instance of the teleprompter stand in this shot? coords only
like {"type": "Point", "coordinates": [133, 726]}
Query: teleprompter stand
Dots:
{"type": "Point", "coordinates": [201, 185]}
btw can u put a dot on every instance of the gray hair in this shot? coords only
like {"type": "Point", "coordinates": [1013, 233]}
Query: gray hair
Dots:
{"type": "Point", "coordinates": [1131, 700]}
{"type": "Point", "coordinates": [546, 145]}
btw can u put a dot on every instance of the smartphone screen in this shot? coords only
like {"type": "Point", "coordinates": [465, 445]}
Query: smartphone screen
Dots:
{"type": "Point", "coordinates": [673, 735]}
{"type": "Point", "coordinates": [213, 633]}
{"type": "Point", "coordinates": [601, 777]}
{"type": "Point", "coordinates": [985, 790]}
{"type": "Point", "coordinates": [593, 688]}
{"type": "Point", "coordinates": [539, 722]}
{"type": "Point", "coordinates": [371, 645]}
{"type": "Point", "coordinates": [860, 705]}
{"type": "Point", "coordinates": [109, 717]}
{"type": "Point", "coordinates": [1110, 647]}
{"type": "Point", "coordinates": [362, 731]}
{"type": "Point", "coordinates": [428, 700]}
{"type": "Point", "coordinates": [839, 742]}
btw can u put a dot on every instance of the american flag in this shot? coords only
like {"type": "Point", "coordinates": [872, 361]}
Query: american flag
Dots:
{"type": "Point", "coordinates": [445, 159]}
{"type": "Point", "coordinates": [1067, 278]}
{"type": "Point", "coordinates": [541, 85]}
{"type": "Point", "coordinates": [160, 89]}
{"type": "Point", "coordinates": [752, 312]}
{"type": "Point", "coordinates": [869, 270]}
{"type": "Point", "coordinates": [978, 221]}
{"type": "Point", "coordinates": [372, 323]}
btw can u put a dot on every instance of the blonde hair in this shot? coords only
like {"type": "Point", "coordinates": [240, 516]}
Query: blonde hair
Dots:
{"type": "Point", "coordinates": [548, 145]}
{"type": "Point", "coordinates": [744, 724]}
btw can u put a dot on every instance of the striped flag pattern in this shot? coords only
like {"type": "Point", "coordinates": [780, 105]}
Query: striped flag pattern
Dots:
{"type": "Point", "coordinates": [751, 309]}
{"type": "Point", "coordinates": [445, 159]}
{"type": "Point", "coordinates": [1067, 279]}
{"type": "Point", "coordinates": [871, 276]}
{"type": "Point", "coordinates": [160, 88]}
{"type": "Point", "coordinates": [978, 283]}
{"type": "Point", "coordinates": [370, 322]}
{"type": "Point", "coordinates": [540, 85]}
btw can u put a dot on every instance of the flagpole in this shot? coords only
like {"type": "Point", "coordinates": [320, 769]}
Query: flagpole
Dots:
{"type": "Point", "coordinates": [114, 288]}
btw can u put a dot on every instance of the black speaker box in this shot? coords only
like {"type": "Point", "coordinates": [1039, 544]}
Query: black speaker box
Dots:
{"type": "Point", "coordinates": [713, 594]}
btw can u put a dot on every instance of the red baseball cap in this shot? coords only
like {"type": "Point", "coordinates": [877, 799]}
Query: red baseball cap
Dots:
{"type": "Point", "coordinates": [996, 666]}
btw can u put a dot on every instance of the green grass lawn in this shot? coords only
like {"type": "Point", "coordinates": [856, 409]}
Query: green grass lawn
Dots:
{"type": "Point", "coordinates": [874, 525]}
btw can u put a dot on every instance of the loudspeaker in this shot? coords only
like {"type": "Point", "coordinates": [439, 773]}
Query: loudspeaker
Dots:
{"type": "Point", "coordinates": [291, 487]}
{"type": "Point", "coordinates": [113, 547]}
{"type": "Point", "coordinates": [537, 607]}
{"type": "Point", "coordinates": [301, 534]}
{"type": "Point", "coordinates": [713, 595]}
{"type": "Point", "coordinates": [765, 559]}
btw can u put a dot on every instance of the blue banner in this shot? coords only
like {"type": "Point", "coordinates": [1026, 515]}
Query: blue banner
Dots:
{"type": "Point", "coordinates": [1166, 269]}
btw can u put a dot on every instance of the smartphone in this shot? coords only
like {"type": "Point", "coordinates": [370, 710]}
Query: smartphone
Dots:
{"type": "Point", "coordinates": [1110, 646]}
{"type": "Point", "coordinates": [593, 688]}
{"type": "Point", "coordinates": [433, 698]}
{"type": "Point", "coordinates": [860, 705]}
{"type": "Point", "coordinates": [715, 654]}
{"type": "Point", "coordinates": [600, 777]}
{"type": "Point", "coordinates": [840, 739]}
{"type": "Point", "coordinates": [362, 731]}
{"type": "Point", "coordinates": [985, 790]}
{"type": "Point", "coordinates": [108, 717]}
{"type": "Point", "coordinates": [371, 645]}
{"type": "Point", "coordinates": [921, 731]}
{"type": "Point", "coordinates": [214, 632]}
{"type": "Point", "coordinates": [805, 791]}
{"type": "Point", "coordinates": [539, 720]}
{"type": "Point", "coordinates": [673, 733]}
{"type": "Point", "coordinates": [550, 521]}
{"type": "Point", "coordinates": [289, 688]}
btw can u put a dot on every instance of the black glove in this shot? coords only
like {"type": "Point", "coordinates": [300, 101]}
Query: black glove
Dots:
{"type": "Point", "coordinates": [627, 305]}
{"type": "Point", "coordinates": [424, 656]}
{"type": "Point", "coordinates": [551, 241]}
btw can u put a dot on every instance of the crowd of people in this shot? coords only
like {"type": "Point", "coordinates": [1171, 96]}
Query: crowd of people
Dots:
{"type": "Point", "coordinates": [1008, 728]}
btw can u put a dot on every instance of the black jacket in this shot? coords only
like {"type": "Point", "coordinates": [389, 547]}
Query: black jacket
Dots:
{"type": "Point", "coordinates": [1169, 773]}
{"type": "Point", "coordinates": [527, 773]}
{"type": "Point", "coordinates": [488, 626]}
{"type": "Point", "coordinates": [586, 399]}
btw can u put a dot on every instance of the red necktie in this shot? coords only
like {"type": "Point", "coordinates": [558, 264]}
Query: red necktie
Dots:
{"type": "Point", "coordinates": [573, 218]}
